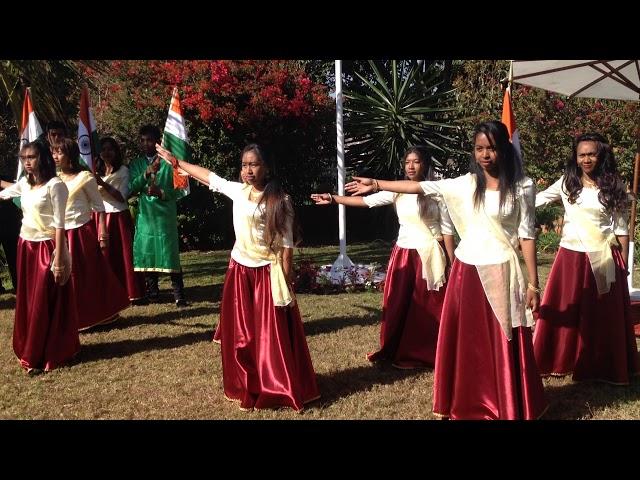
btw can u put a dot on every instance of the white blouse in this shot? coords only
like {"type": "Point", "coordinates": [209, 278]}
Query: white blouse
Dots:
{"type": "Point", "coordinates": [120, 181]}
{"type": "Point", "coordinates": [82, 200]}
{"type": "Point", "coordinates": [42, 207]}
{"type": "Point", "coordinates": [516, 218]}
{"type": "Point", "coordinates": [608, 223]}
{"type": "Point", "coordinates": [413, 228]}
{"type": "Point", "coordinates": [243, 208]}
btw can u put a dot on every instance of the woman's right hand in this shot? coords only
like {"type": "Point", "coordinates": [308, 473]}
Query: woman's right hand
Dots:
{"type": "Point", "coordinates": [321, 198]}
{"type": "Point", "coordinates": [360, 186]}
{"type": "Point", "coordinates": [58, 273]}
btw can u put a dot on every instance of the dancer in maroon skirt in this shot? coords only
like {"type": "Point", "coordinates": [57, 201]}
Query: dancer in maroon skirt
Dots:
{"type": "Point", "coordinates": [415, 284]}
{"type": "Point", "coordinates": [45, 332]}
{"type": "Point", "coordinates": [485, 367]}
{"type": "Point", "coordinates": [585, 326]}
{"type": "Point", "coordinates": [98, 295]}
{"type": "Point", "coordinates": [265, 357]}
{"type": "Point", "coordinates": [113, 183]}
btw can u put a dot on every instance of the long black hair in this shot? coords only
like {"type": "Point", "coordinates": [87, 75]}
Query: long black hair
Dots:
{"type": "Point", "coordinates": [117, 161]}
{"type": "Point", "coordinates": [425, 160]}
{"type": "Point", "coordinates": [45, 166]}
{"type": "Point", "coordinates": [509, 163]}
{"type": "Point", "coordinates": [613, 193]}
{"type": "Point", "coordinates": [277, 203]}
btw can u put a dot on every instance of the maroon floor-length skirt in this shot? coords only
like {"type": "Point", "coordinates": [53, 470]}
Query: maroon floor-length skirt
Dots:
{"type": "Point", "coordinates": [479, 373]}
{"type": "Point", "coordinates": [410, 313]}
{"type": "Point", "coordinates": [45, 332]}
{"type": "Point", "coordinates": [581, 332]}
{"type": "Point", "coordinates": [98, 295]}
{"type": "Point", "coordinates": [265, 357]}
{"type": "Point", "coordinates": [120, 252]}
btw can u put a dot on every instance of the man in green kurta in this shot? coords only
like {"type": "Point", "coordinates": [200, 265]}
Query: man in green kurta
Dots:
{"type": "Point", "coordinates": [155, 245]}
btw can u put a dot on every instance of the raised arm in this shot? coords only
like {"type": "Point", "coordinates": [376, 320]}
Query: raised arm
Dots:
{"type": "Point", "coordinates": [10, 190]}
{"type": "Point", "coordinates": [329, 198]}
{"type": "Point", "coordinates": [199, 173]}
{"type": "Point", "coordinates": [550, 195]}
{"type": "Point", "coordinates": [363, 186]}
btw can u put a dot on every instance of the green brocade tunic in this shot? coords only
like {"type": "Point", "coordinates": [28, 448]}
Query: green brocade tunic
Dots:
{"type": "Point", "coordinates": [155, 245]}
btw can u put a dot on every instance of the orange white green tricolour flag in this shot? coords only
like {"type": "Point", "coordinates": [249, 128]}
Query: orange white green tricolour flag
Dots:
{"type": "Point", "coordinates": [30, 128]}
{"type": "Point", "coordinates": [176, 140]}
{"type": "Point", "coordinates": [87, 132]}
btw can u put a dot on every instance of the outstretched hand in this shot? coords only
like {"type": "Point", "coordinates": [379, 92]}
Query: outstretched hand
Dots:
{"type": "Point", "coordinates": [321, 198]}
{"type": "Point", "coordinates": [165, 154]}
{"type": "Point", "coordinates": [360, 186]}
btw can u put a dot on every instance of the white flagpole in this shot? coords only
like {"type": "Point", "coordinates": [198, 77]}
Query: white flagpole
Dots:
{"type": "Point", "coordinates": [633, 292]}
{"type": "Point", "coordinates": [343, 261]}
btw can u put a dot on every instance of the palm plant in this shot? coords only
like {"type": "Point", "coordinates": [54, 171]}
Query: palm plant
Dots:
{"type": "Point", "coordinates": [387, 112]}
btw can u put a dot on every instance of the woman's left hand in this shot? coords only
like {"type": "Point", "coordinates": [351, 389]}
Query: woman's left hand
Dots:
{"type": "Point", "coordinates": [533, 300]}
{"type": "Point", "coordinates": [360, 186]}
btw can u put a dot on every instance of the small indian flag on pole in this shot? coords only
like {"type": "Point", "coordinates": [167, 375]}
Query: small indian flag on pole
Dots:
{"type": "Point", "coordinates": [87, 132]}
{"type": "Point", "coordinates": [508, 118]}
{"type": "Point", "coordinates": [175, 140]}
{"type": "Point", "coordinates": [30, 128]}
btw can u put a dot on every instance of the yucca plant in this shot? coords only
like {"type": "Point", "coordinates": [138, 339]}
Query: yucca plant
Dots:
{"type": "Point", "coordinates": [406, 105]}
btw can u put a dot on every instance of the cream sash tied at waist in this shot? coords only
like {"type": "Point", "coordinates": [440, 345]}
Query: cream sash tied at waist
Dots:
{"type": "Point", "coordinates": [503, 283]}
{"type": "Point", "coordinates": [66, 255]}
{"type": "Point", "coordinates": [279, 288]}
{"type": "Point", "coordinates": [432, 256]}
{"type": "Point", "coordinates": [598, 246]}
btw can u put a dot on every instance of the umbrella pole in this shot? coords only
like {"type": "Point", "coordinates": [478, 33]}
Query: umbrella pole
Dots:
{"type": "Point", "coordinates": [632, 222]}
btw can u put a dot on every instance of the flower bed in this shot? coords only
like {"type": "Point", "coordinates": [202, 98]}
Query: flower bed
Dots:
{"type": "Point", "coordinates": [312, 278]}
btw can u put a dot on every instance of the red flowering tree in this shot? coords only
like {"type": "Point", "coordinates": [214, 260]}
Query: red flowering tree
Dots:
{"type": "Point", "coordinates": [227, 104]}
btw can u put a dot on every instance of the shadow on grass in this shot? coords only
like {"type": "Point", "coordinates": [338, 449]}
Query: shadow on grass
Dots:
{"type": "Point", "coordinates": [206, 270]}
{"type": "Point", "coordinates": [344, 383]}
{"type": "Point", "coordinates": [377, 251]}
{"type": "Point", "coordinates": [8, 302]}
{"type": "Point", "coordinates": [124, 348]}
{"type": "Point", "coordinates": [169, 317]}
{"type": "Point", "coordinates": [204, 293]}
{"type": "Point", "coordinates": [583, 400]}
{"type": "Point", "coordinates": [333, 324]}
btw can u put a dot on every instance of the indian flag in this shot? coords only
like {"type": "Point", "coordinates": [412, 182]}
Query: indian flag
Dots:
{"type": "Point", "coordinates": [175, 140]}
{"type": "Point", "coordinates": [30, 127]}
{"type": "Point", "coordinates": [508, 118]}
{"type": "Point", "coordinates": [87, 132]}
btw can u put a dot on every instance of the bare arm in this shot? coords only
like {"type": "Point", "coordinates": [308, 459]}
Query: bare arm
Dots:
{"type": "Point", "coordinates": [327, 199]}
{"type": "Point", "coordinates": [103, 236]}
{"type": "Point", "coordinates": [4, 184]}
{"type": "Point", "coordinates": [199, 173]}
{"type": "Point", "coordinates": [58, 264]}
{"type": "Point", "coordinates": [287, 264]}
{"type": "Point", "coordinates": [449, 246]}
{"type": "Point", "coordinates": [624, 250]}
{"type": "Point", "coordinates": [528, 246]}
{"type": "Point", "coordinates": [112, 191]}
{"type": "Point", "coordinates": [363, 185]}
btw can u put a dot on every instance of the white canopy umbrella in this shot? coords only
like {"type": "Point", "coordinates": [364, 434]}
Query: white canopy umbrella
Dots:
{"type": "Point", "coordinates": [610, 79]}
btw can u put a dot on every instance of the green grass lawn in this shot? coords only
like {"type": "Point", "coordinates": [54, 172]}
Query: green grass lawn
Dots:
{"type": "Point", "coordinates": [158, 362]}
